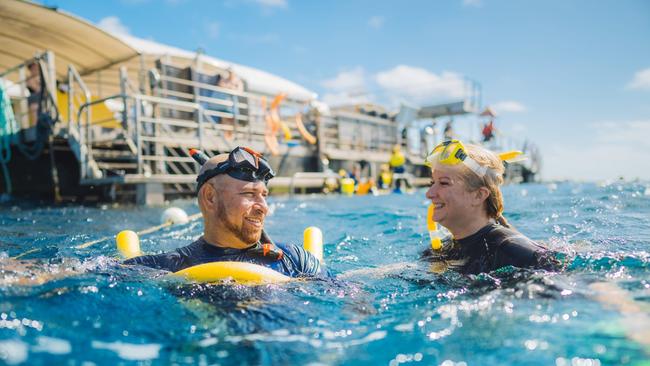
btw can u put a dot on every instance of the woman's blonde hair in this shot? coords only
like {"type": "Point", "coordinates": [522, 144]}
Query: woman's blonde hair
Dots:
{"type": "Point", "coordinates": [492, 180]}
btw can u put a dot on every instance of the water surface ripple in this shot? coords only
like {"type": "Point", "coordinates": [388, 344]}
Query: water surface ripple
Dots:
{"type": "Point", "coordinates": [59, 304]}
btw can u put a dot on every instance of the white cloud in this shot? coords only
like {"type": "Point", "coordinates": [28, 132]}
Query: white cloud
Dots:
{"type": "Point", "coordinates": [641, 80]}
{"type": "Point", "coordinates": [113, 24]}
{"type": "Point", "coordinates": [376, 22]}
{"type": "Point", "coordinates": [212, 29]}
{"type": "Point", "coordinates": [273, 3]}
{"type": "Point", "coordinates": [345, 98]}
{"type": "Point", "coordinates": [420, 85]}
{"type": "Point", "coordinates": [353, 80]}
{"type": "Point", "coordinates": [400, 84]}
{"type": "Point", "coordinates": [634, 133]}
{"type": "Point", "coordinates": [473, 3]}
{"type": "Point", "coordinates": [508, 106]}
{"type": "Point", "coordinates": [615, 149]}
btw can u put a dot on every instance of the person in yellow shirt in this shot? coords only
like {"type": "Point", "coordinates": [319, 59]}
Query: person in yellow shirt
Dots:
{"type": "Point", "coordinates": [397, 164]}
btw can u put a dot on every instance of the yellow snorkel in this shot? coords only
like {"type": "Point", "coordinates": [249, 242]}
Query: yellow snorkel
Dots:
{"type": "Point", "coordinates": [432, 227]}
{"type": "Point", "coordinates": [512, 156]}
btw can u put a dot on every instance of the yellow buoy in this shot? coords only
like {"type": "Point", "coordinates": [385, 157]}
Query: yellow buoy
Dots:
{"type": "Point", "coordinates": [347, 186]}
{"type": "Point", "coordinates": [313, 242]}
{"type": "Point", "coordinates": [128, 244]}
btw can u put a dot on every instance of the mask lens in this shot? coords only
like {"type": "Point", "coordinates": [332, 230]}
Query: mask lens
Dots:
{"type": "Point", "coordinates": [241, 156]}
{"type": "Point", "coordinates": [446, 151]}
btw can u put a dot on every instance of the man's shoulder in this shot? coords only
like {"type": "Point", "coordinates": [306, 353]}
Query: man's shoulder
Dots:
{"type": "Point", "coordinates": [171, 261]}
{"type": "Point", "coordinates": [292, 249]}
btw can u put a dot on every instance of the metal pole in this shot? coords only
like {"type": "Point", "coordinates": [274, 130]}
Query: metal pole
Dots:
{"type": "Point", "coordinates": [142, 75]}
{"type": "Point", "coordinates": [137, 132]}
{"type": "Point", "coordinates": [200, 121]}
{"type": "Point", "coordinates": [51, 73]}
{"type": "Point", "coordinates": [24, 105]}
{"type": "Point", "coordinates": [123, 91]}
{"type": "Point", "coordinates": [70, 97]}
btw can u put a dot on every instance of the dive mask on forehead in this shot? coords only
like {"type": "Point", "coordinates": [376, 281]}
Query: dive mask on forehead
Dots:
{"type": "Point", "coordinates": [243, 164]}
{"type": "Point", "coordinates": [453, 152]}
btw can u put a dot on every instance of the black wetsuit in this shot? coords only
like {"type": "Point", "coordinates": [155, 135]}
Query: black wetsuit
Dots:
{"type": "Point", "coordinates": [492, 247]}
{"type": "Point", "coordinates": [295, 261]}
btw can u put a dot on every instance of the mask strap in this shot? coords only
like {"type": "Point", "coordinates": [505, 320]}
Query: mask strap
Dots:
{"type": "Point", "coordinates": [477, 168]}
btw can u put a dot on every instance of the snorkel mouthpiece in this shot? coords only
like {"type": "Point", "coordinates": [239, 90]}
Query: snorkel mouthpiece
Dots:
{"type": "Point", "coordinates": [198, 156]}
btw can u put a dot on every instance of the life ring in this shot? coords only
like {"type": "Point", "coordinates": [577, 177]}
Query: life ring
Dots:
{"type": "Point", "coordinates": [270, 137]}
{"type": "Point", "coordinates": [303, 131]}
{"type": "Point", "coordinates": [128, 244]}
{"type": "Point", "coordinates": [271, 130]}
{"type": "Point", "coordinates": [277, 123]}
{"type": "Point", "coordinates": [286, 131]}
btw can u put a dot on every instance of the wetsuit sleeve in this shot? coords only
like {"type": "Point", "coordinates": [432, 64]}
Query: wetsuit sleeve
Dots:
{"type": "Point", "coordinates": [172, 261]}
{"type": "Point", "coordinates": [304, 263]}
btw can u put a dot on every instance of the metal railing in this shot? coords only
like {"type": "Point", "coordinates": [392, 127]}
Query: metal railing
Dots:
{"type": "Point", "coordinates": [161, 127]}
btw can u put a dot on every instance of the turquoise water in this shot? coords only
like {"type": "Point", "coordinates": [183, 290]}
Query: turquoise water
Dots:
{"type": "Point", "coordinates": [60, 305]}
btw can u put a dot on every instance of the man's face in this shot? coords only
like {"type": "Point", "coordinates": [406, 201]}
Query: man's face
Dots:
{"type": "Point", "coordinates": [241, 208]}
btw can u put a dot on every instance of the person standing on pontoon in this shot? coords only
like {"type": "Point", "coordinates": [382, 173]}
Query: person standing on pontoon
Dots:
{"type": "Point", "coordinates": [397, 165]}
{"type": "Point", "coordinates": [231, 81]}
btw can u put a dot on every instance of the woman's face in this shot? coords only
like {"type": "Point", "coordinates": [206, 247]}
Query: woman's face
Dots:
{"type": "Point", "coordinates": [454, 205]}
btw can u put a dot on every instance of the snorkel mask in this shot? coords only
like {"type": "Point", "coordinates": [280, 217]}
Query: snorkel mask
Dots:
{"type": "Point", "coordinates": [243, 164]}
{"type": "Point", "coordinates": [453, 152]}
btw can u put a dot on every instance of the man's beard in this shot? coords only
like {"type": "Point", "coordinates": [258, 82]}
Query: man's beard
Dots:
{"type": "Point", "coordinates": [246, 235]}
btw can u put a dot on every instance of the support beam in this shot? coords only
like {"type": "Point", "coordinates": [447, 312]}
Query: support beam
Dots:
{"type": "Point", "coordinates": [149, 194]}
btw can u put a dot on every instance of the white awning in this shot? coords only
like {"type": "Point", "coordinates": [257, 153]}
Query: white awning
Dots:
{"type": "Point", "coordinates": [257, 80]}
{"type": "Point", "coordinates": [27, 29]}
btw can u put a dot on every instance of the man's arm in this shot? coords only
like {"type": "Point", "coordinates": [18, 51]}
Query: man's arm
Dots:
{"type": "Point", "coordinates": [167, 261]}
{"type": "Point", "coordinates": [304, 262]}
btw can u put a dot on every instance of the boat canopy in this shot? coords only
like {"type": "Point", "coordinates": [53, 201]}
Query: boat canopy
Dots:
{"type": "Point", "coordinates": [27, 29]}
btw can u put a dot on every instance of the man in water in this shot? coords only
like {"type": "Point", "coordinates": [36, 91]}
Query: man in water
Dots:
{"type": "Point", "coordinates": [232, 197]}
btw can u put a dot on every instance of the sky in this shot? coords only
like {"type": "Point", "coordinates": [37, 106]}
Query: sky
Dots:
{"type": "Point", "coordinates": [572, 76]}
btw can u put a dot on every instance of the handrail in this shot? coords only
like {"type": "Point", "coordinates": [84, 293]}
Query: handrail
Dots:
{"type": "Point", "coordinates": [158, 100]}
{"type": "Point", "coordinates": [73, 76]}
{"type": "Point", "coordinates": [310, 175]}
{"type": "Point", "coordinates": [219, 89]}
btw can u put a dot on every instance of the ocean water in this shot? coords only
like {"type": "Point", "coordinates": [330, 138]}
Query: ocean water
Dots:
{"type": "Point", "coordinates": [61, 305]}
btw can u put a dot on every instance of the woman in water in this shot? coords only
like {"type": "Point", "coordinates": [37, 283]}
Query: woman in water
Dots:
{"type": "Point", "coordinates": [468, 202]}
